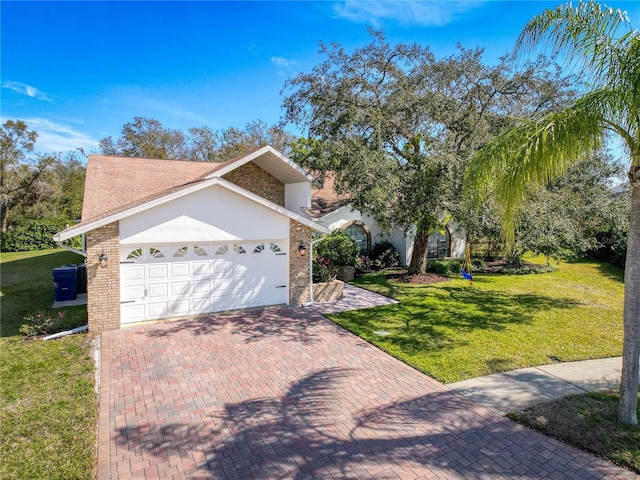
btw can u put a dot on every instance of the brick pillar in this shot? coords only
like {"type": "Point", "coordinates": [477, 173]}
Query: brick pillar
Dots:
{"type": "Point", "coordinates": [103, 284]}
{"type": "Point", "coordinates": [298, 266]}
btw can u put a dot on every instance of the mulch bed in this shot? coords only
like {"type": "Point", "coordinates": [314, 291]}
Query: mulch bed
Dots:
{"type": "Point", "coordinates": [425, 279]}
{"type": "Point", "coordinates": [497, 265]}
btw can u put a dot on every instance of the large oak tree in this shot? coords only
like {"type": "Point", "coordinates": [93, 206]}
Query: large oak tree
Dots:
{"type": "Point", "coordinates": [395, 125]}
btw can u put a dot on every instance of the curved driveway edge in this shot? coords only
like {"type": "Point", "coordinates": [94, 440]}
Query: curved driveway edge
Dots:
{"type": "Point", "coordinates": [285, 393]}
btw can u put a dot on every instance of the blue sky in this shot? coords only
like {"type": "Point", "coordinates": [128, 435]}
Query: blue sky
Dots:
{"type": "Point", "coordinates": [77, 71]}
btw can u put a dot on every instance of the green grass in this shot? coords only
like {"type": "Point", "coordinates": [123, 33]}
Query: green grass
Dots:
{"type": "Point", "coordinates": [453, 331]}
{"type": "Point", "coordinates": [27, 287]}
{"type": "Point", "coordinates": [48, 412]}
{"type": "Point", "coordinates": [587, 422]}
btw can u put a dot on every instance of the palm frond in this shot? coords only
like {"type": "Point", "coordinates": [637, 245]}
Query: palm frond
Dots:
{"type": "Point", "coordinates": [585, 35]}
{"type": "Point", "coordinates": [533, 154]}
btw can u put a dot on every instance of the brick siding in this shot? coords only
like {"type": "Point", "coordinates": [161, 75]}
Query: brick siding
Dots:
{"type": "Point", "coordinates": [328, 292]}
{"type": "Point", "coordinates": [298, 266]}
{"type": "Point", "coordinates": [253, 178]}
{"type": "Point", "coordinates": [103, 284]}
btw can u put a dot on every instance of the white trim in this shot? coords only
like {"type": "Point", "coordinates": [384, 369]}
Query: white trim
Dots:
{"type": "Point", "coordinates": [255, 155]}
{"type": "Point", "coordinates": [73, 231]}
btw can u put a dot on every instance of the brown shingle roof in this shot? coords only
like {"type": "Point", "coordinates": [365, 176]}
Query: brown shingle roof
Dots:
{"type": "Point", "coordinates": [114, 182]}
{"type": "Point", "coordinates": [325, 200]}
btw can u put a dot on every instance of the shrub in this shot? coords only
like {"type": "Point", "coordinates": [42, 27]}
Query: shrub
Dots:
{"type": "Point", "coordinates": [385, 255]}
{"type": "Point", "coordinates": [455, 265]}
{"type": "Point", "coordinates": [363, 264]}
{"type": "Point", "coordinates": [323, 270]}
{"type": "Point", "coordinates": [438, 267]}
{"type": "Point", "coordinates": [478, 263]}
{"type": "Point", "coordinates": [42, 323]}
{"type": "Point", "coordinates": [32, 234]}
{"type": "Point", "coordinates": [338, 248]}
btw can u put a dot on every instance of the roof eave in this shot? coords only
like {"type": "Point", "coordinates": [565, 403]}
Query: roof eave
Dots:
{"type": "Point", "coordinates": [101, 222]}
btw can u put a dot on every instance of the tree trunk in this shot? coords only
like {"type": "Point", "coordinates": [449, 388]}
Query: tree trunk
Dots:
{"type": "Point", "coordinates": [418, 263]}
{"type": "Point", "coordinates": [631, 343]}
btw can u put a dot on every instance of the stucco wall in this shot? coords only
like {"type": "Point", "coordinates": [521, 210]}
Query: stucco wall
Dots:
{"type": "Point", "coordinates": [404, 244]}
{"type": "Point", "coordinates": [103, 284]}
{"type": "Point", "coordinates": [212, 214]}
{"type": "Point", "coordinates": [342, 216]}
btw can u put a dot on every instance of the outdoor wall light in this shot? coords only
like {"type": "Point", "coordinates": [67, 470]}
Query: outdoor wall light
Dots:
{"type": "Point", "coordinates": [302, 250]}
{"type": "Point", "coordinates": [103, 257]}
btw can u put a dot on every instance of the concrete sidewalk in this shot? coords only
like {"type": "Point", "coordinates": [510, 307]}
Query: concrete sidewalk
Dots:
{"type": "Point", "coordinates": [519, 389]}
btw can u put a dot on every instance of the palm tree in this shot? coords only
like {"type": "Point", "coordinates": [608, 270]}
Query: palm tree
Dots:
{"type": "Point", "coordinates": [538, 150]}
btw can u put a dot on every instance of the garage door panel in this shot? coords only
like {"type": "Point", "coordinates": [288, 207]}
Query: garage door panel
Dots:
{"type": "Point", "coordinates": [193, 279]}
{"type": "Point", "coordinates": [200, 269]}
{"type": "Point", "coordinates": [132, 292]}
{"type": "Point", "coordinates": [200, 305]}
{"type": "Point", "coordinates": [200, 286]}
{"type": "Point", "coordinates": [158, 290]}
{"type": "Point", "coordinates": [133, 272]}
{"type": "Point", "coordinates": [179, 308]}
{"type": "Point", "coordinates": [157, 271]}
{"type": "Point", "coordinates": [179, 270]}
{"type": "Point", "coordinates": [179, 288]}
{"type": "Point", "coordinates": [132, 312]}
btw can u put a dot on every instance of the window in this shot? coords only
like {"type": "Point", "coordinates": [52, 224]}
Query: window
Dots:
{"type": "Point", "coordinates": [222, 250]}
{"type": "Point", "coordinates": [259, 248]}
{"type": "Point", "coordinates": [181, 252]}
{"type": "Point", "coordinates": [275, 248]}
{"type": "Point", "coordinates": [199, 251]}
{"type": "Point", "coordinates": [439, 245]}
{"type": "Point", "coordinates": [155, 253]}
{"type": "Point", "coordinates": [239, 249]}
{"type": "Point", "coordinates": [360, 235]}
{"type": "Point", "coordinates": [137, 253]}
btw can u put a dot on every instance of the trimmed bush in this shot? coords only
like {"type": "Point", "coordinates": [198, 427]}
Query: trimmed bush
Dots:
{"type": "Point", "coordinates": [34, 234]}
{"type": "Point", "coordinates": [338, 248]}
{"type": "Point", "coordinates": [455, 265]}
{"type": "Point", "coordinates": [438, 267]}
{"type": "Point", "coordinates": [385, 255]}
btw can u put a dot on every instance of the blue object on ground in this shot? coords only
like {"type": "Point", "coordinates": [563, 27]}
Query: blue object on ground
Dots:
{"type": "Point", "coordinates": [65, 283]}
{"type": "Point", "coordinates": [465, 275]}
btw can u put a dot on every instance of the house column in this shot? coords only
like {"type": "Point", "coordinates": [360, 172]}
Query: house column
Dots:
{"type": "Point", "coordinates": [299, 270]}
{"type": "Point", "coordinates": [103, 284]}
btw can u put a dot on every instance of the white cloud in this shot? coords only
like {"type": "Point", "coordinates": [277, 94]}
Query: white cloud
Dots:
{"type": "Point", "coordinates": [57, 137]}
{"type": "Point", "coordinates": [406, 12]}
{"type": "Point", "coordinates": [27, 90]}
{"type": "Point", "coordinates": [282, 62]}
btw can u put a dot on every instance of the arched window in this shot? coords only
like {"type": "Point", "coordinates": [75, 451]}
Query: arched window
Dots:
{"type": "Point", "coordinates": [439, 245]}
{"type": "Point", "coordinates": [360, 233]}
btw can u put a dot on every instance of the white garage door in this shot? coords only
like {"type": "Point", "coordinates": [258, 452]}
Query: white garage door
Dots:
{"type": "Point", "coordinates": [163, 281]}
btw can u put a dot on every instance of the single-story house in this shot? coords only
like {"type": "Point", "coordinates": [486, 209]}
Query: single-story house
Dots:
{"type": "Point", "coordinates": [171, 238]}
{"type": "Point", "coordinates": [334, 211]}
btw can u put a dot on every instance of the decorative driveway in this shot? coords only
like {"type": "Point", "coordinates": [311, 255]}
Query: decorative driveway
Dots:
{"type": "Point", "coordinates": [285, 393]}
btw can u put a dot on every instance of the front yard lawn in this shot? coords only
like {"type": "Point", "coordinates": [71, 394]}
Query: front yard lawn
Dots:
{"type": "Point", "coordinates": [48, 411]}
{"type": "Point", "coordinates": [453, 331]}
{"type": "Point", "coordinates": [588, 422]}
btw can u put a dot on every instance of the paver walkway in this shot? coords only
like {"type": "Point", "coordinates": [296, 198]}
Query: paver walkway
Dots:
{"type": "Point", "coordinates": [285, 393]}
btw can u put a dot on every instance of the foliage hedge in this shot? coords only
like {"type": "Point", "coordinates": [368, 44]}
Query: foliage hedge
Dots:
{"type": "Point", "coordinates": [385, 255]}
{"type": "Point", "coordinates": [31, 235]}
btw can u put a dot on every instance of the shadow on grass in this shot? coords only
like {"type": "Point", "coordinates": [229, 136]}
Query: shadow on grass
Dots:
{"type": "Point", "coordinates": [434, 319]}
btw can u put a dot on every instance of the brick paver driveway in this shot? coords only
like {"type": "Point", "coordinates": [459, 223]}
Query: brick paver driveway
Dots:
{"type": "Point", "coordinates": [285, 393]}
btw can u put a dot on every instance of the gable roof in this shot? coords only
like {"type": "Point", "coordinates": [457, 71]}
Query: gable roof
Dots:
{"type": "Point", "coordinates": [177, 192]}
{"type": "Point", "coordinates": [116, 187]}
{"type": "Point", "coordinates": [325, 200]}
{"type": "Point", "coordinates": [112, 183]}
